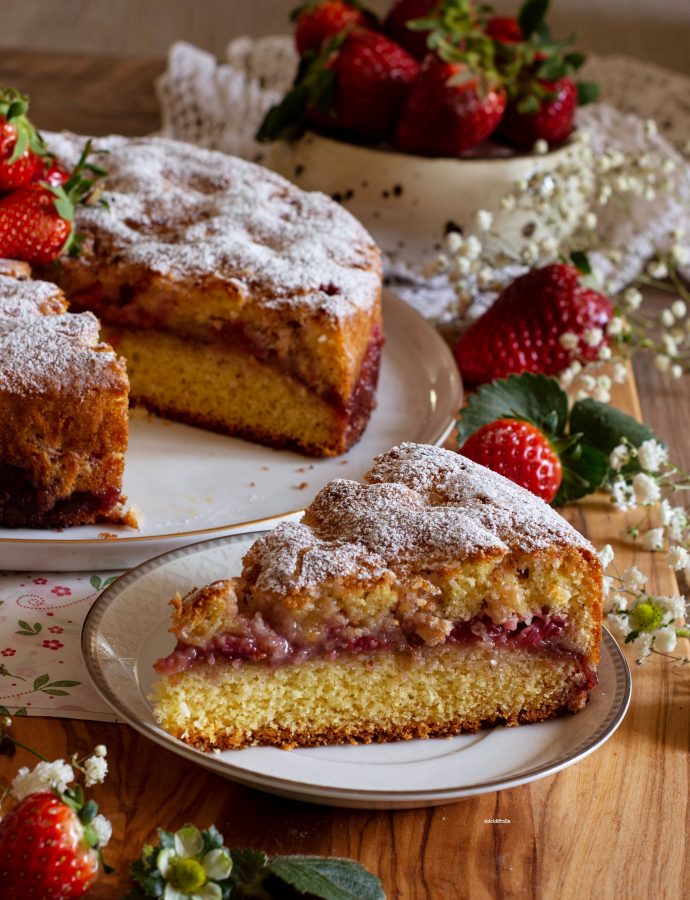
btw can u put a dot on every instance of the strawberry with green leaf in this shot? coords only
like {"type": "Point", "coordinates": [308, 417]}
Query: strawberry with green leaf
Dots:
{"type": "Point", "coordinates": [523, 427]}
{"type": "Point", "coordinates": [538, 74]}
{"type": "Point", "coordinates": [317, 21]}
{"type": "Point", "coordinates": [21, 146]}
{"type": "Point", "coordinates": [397, 24]}
{"type": "Point", "coordinates": [37, 220]}
{"type": "Point", "coordinates": [458, 100]}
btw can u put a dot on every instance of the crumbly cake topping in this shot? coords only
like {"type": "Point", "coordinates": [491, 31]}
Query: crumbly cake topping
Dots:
{"type": "Point", "coordinates": [43, 349]}
{"type": "Point", "coordinates": [185, 212]}
{"type": "Point", "coordinates": [421, 506]}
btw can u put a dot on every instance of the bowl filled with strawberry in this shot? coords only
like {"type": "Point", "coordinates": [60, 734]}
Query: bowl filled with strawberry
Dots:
{"type": "Point", "coordinates": [416, 121]}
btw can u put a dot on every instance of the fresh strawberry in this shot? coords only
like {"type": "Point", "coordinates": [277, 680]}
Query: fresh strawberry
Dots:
{"type": "Point", "coordinates": [51, 171]}
{"type": "Point", "coordinates": [319, 20]}
{"type": "Point", "coordinates": [553, 119]}
{"type": "Point", "coordinates": [37, 220]}
{"type": "Point", "coordinates": [505, 29]}
{"type": "Point", "coordinates": [44, 851]}
{"type": "Point", "coordinates": [396, 24]}
{"type": "Point", "coordinates": [522, 331]}
{"type": "Point", "coordinates": [520, 452]}
{"type": "Point", "coordinates": [356, 85]}
{"type": "Point", "coordinates": [20, 143]}
{"type": "Point", "coordinates": [449, 110]}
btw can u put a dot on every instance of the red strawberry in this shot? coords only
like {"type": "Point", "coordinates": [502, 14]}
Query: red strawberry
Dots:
{"type": "Point", "coordinates": [504, 29]}
{"type": "Point", "coordinates": [396, 24]}
{"type": "Point", "coordinates": [31, 228]}
{"type": "Point", "coordinates": [552, 121]}
{"type": "Point", "coordinates": [44, 852]}
{"type": "Point", "coordinates": [373, 75]}
{"type": "Point", "coordinates": [449, 110]}
{"type": "Point", "coordinates": [518, 451]}
{"type": "Point", "coordinates": [318, 21]}
{"type": "Point", "coordinates": [521, 332]}
{"type": "Point", "coordinates": [51, 171]}
{"type": "Point", "coordinates": [20, 143]}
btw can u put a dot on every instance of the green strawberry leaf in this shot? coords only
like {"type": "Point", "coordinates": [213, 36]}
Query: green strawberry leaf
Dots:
{"type": "Point", "coordinates": [535, 398]}
{"type": "Point", "coordinates": [532, 15]}
{"type": "Point", "coordinates": [552, 69]}
{"type": "Point", "coordinates": [587, 92]}
{"type": "Point", "coordinates": [604, 426]}
{"type": "Point", "coordinates": [330, 879]}
{"type": "Point", "coordinates": [584, 470]}
{"type": "Point", "coordinates": [581, 262]}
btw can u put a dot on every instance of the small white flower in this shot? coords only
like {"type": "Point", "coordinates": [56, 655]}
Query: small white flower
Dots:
{"type": "Point", "coordinates": [508, 203]}
{"type": "Point", "coordinates": [618, 626]}
{"type": "Point", "coordinates": [650, 128]}
{"type": "Point", "coordinates": [620, 373]}
{"type": "Point", "coordinates": [662, 363]}
{"type": "Point", "coordinates": [484, 219]}
{"type": "Point", "coordinates": [679, 309]}
{"type": "Point", "coordinates": [569, 340]}
{"type": "Point", "coordinates": [604, 195]}
{"type": "Point", "coordinates": [670, 345]}
{"type": "Point", "coordinates": [668, 166]}
{"type": "Point", "coordinates": [102, 829]}
{"type": "Point", "coordinates": [45, 776]}
{"type": "Point", "coordinates": [549, 246]}
{"type": "Point", "coordinates": [623, 495]}
{"type": "Point", "coordinates": [667, 318]}
{"type": "Point", "coordinates": [605, 353]}
{"type": "Point", "coordinates": [95, 768]}
{"type": "Point", "coordinates": [652, 455]}
{"type": "Point", "coordinates": [619, 457]}
{"type": "Point", "coordinates": [665, 640]}
{"type": "Point", "coordinates": [606, 556]}
{"type": "Point", "coordinates": [632, 298]}
{"type": "Point", "coordinates": [678, 558]}
{"type": "Point", "coordinates": [590, 221]}
{"type": "Point", "coordinates": [674, 606]}
{"type": "Point", "coordinates": [472, 248]}
{"type": "Point", "coordinates": [615, 327]}
{"type": "Point", "coordinates": [633, 579]}
{"type": "Point", "coordinates": [606, 583]}
{"type": "Point", "coordinates": [618, 602]}
{"type": "Point", "coordinates": [676, 372]}
{"type": "Point", "coordinates": [643, 645]}
{"type": "Point", "coordinates": [454, 242]}
{"type": "Point", "coordinates": [653, 539]}
{"type": "Point", "coordinates": [593, 337]}
{"type": "Point", "coordinates": [100, 750]}
{"type": "Point", "coordinates": [657, 269]}
{"type": "Point", "coordinates": [647, 491]}
{"type": "Point", "coordinates": [540, 147]}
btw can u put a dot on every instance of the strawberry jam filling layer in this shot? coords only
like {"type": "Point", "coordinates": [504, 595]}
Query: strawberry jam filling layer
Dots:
{"type": "Point", "coordinates": [542, 634]}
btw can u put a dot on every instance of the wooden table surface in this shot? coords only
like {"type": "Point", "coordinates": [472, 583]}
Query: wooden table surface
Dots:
{"type": "Point", "coordinates": [616, 824]}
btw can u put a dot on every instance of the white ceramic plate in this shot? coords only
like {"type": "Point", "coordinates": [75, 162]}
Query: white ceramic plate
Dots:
{"type": "Point", "coordinates": [191, 484]}
{"type": "Point", "coordinates": [127, 630]}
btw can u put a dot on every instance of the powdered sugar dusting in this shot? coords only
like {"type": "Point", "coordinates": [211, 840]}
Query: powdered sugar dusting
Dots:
{"type": "Point", "coordinates": [184, 212]}
{"type": "Point", "coordinates": [44, 350]}
{"type": "Point", "coordinates": [421, 506]}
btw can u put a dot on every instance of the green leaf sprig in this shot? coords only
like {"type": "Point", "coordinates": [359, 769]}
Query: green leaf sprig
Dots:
{"type": "Point", "coordinates": [194, 863]}
{"type": "Point", "coordinates": [583, 435]}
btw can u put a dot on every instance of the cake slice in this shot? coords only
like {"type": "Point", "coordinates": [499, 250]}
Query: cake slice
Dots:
{"type": "Point", "coordinates": [241, 303]}
{"type": "Point", "coordinates": [436, 598]}
{"type": "Point", "coordinates": [63, 408]}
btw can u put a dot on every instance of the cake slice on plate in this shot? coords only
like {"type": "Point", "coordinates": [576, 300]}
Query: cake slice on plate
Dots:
{"type": "Point", "coordinates": [63, 408]}
{"type": "Point", "coordinates": [437, 597]}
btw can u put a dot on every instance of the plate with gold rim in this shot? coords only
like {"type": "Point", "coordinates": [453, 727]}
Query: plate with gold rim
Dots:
{"type": "Point", "coordinates": [127, 630]}
{"type": "Point", "coordinates": [192, 484]}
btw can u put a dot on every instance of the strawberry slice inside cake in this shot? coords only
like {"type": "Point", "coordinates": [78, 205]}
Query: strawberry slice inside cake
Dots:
{"type": "Point", "coordinates": [436, 598]}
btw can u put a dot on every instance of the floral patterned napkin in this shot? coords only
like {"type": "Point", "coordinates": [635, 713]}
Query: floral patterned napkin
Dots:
{"type": "Point", "coordinates": [41, 669]}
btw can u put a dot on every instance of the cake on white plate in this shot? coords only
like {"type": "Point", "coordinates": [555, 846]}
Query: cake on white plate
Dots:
{"type": "Point", "coordinates": [436, 598]}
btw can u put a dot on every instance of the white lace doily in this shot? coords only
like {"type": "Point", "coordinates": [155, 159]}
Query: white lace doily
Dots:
{"type": "Point", "coordinates": [220, 106]}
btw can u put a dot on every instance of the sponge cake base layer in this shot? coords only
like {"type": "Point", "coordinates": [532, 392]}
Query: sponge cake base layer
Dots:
{"type": "Point", "coordinates": [354, 699]}
{"type": "Point", "coordinates": [229, 390]}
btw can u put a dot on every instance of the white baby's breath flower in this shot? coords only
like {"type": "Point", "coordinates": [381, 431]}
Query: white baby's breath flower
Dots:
{"type": "Point", "coordinates": [593, 337]}
{"type": "Point", "coordinates": [678, 558]}
{"type": "Point", "coordinates": [615, 327]}
{"type": "Point", "coordinates": [657, 269]}
{"type": "Point", "coordinates": [679, 309]}
{"type": "Point", "coordinates": [623, 495]}
{"type": "Point", "coordinates": [618, 626]}
{"type": "Point", "coordinates": [606, 556]}
{"type": "Point", "coordinates": [619, 457]}
{"type": "Point", "coordinates": [568, 340]}
{"type": "Point", "coordinates": [102, 829]}
{"type": "Point", "coordinates": [662, 363]}
{"type": "Point", "coordinates": [676, 372]}
{"type": "Point", "coordinates": [484, 219]}
{"type": "Point", "coordinates": [454, 242]}
{"type": "Point", "coordinates": [633, 579]}
{"type": "Point", "coordinates": [643, 645]}
{"type": "Point", "coordinates": [620, 373]}
{"type": "Point", "coordinates": [45, 776]}
{"type": "Point", "coordinates": [618, 603]}
{"type": "Point", "coordinates": [605, 353]}
{"type": "Point", "coordinates": [541, 147]}
{"type": "Point", "coordinates": [653, 539]}
{"type": "Point", "coordinates": [650, 128]}
{"type": "Point", "coordinates": [95, 769]}
{"type": "Point", "coordinates": [652, 455]}
{"type": "Point", "coordinates": [667, 318]}
{"type": "Point", "coordinates": [632, 298]}
{"type": "Point", "coordinates": [508, 203]}
{"type": "Point", "coordinates": [590, 221]}
{"type": "Point", "coordinates": [677, 523]}
{"type": "Point", "coordinates": [665, 639]}
{"type": "Point", "coordinates": [675, 606]}
{"type": "Point", "coordinates": [647, 491]}
{"type": "Point", "coordinates": [472, 248]}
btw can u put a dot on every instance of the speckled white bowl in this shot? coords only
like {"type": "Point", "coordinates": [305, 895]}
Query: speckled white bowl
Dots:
{"type": "Point", "coordinates": [409, 202]}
